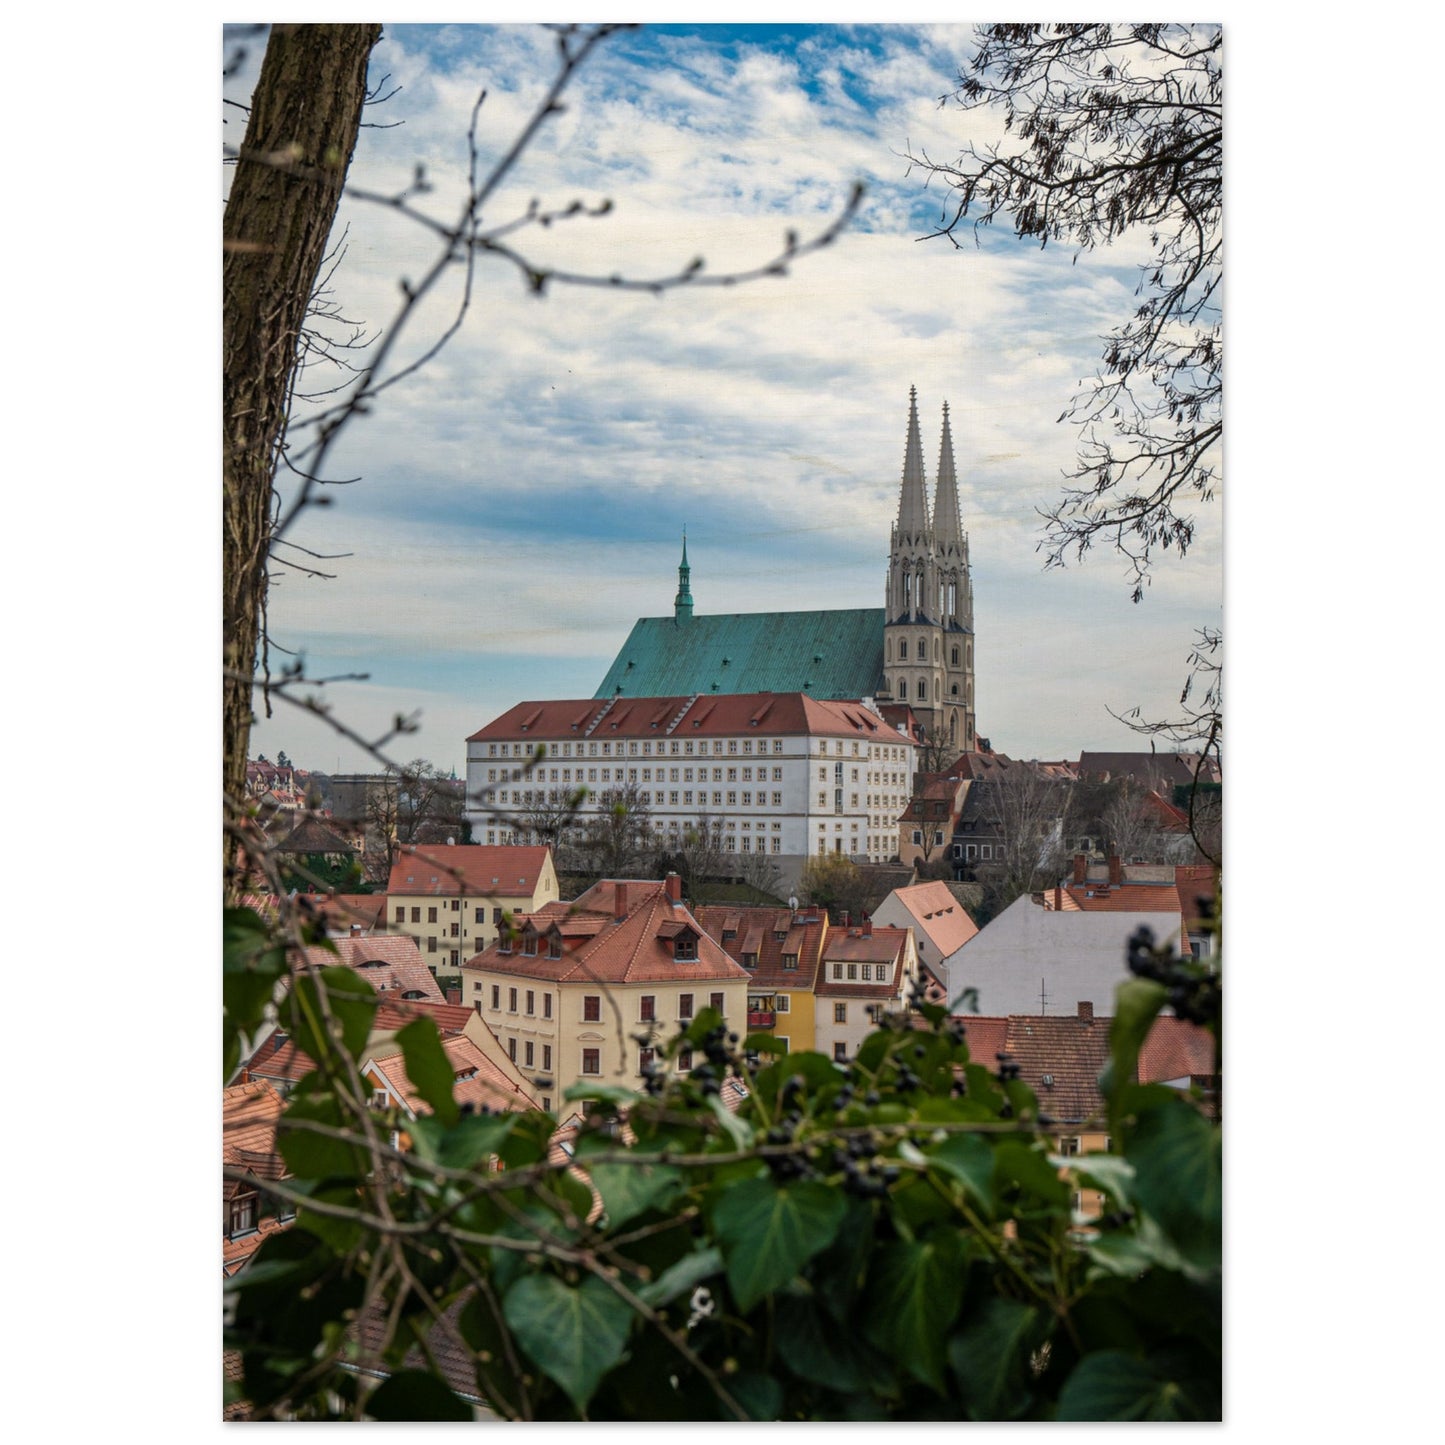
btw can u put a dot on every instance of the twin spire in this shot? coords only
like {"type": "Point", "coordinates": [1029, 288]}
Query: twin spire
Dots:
{"type": "Point", "coordinates": [914, 517]}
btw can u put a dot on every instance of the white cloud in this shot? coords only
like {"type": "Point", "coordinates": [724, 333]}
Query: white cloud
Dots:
{"type": "Point", "coordinates": [522, 498]}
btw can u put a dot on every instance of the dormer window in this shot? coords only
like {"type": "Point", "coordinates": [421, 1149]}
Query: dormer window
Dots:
{"type": "Point", "coordinates": [750, 960]}
{"type": "Point", "coordinates": [529, 943]}
{"type": "Point", "coordinates": [684, 947]}
{"type": "Point", "coordinates": [554, 945]}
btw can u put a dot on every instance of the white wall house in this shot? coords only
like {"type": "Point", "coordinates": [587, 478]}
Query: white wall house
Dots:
{"type": "Point", "coordinates": [1037, 960]}
{"type": "Point", "coordinates": [788, 774]}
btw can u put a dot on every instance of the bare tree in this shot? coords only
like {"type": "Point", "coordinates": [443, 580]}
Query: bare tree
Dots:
{"type": "Point", "coordinates": [702, 855]}
{"type": "Point", "coordinates": [1027, 809]}
{"type": "Point", "coordinates": [614, 841]}
{"type": "Point", "coordinates": [301, 132]}
{"type": "Point", "coordinates": [1115, 129]}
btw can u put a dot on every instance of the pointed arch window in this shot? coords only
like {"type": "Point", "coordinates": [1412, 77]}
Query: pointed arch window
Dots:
{"type": "Point", "coordinates": [903, 649]}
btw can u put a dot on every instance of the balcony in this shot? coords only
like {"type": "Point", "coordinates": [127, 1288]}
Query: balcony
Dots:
{"type": "Point", "coordinates": [761, 1018]}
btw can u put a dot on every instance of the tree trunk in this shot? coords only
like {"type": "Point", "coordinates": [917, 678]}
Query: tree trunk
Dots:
{"type": "Point", "coordinates": [305, 115]}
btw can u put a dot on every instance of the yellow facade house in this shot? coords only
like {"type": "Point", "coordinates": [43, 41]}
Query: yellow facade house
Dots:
{"type": "Point", "coordinates": [452, 897]}
{"type": "Point", "coordinates": [589, 991]}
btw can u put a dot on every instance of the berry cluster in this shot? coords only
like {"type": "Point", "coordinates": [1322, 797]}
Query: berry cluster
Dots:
{"type": "Point", "coordinates": [1194, 992]}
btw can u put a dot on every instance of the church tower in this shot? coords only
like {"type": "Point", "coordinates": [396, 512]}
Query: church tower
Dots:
{"type": "Point", "coordinates": [928, 631]}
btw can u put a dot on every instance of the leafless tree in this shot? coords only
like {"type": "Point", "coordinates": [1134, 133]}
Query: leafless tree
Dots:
{"type": "Point", "coordinates": [614, 841]}
{"type": "Point", "coordinates": [1113, 129]}
{"type": "Point", "coordinates": [301, 131]}
{"type": "Point", "coordinates": [1027, 809]}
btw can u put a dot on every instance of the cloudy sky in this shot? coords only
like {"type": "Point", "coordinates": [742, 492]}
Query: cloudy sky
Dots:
{"type": "Point", "coordinates": [521, 500]}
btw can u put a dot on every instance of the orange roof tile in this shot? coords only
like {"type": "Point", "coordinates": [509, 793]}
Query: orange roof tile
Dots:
{"type": "Point", "coordinates": [937, 913]}
{"type": "Point", "coordinates": [706, 715]}
{"type": "Point", "coordinates": [1175, 1049]}
{"type": "Point", "coordinates": [388, 961]}
{"type": "Point", "coordinates": [634, 949]}
{"type": "Point", "coordinates": [441, 870]}
{"type": "Point", "coordinates": [478, 1080]}
{"type": "Point", "coordinates": [768, 935]}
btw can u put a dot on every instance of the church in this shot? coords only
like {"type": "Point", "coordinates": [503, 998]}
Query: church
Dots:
{"type": "Point", "coordinates": [917, 648]}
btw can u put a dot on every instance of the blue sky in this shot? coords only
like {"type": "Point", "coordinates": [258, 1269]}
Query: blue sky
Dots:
{"type": "Point", "coordinates": [522, 500]}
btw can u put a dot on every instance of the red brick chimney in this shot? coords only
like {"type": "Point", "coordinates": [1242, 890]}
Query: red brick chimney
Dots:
{"type": "Point", "coordinates": [454, 995]}
{"type": "Point", "coordinates": [1058, 899]}
{"type": "Point", "coordinates": [1081, 868]}
{"type": "Point", "coordinates": [619, 901]}
{"type": "Point", "coordinates": [867, 926]}
{"type": "Point", "coordinates": [1086, 1009]}
{"type": "Point", "coordinates": [1116, 870]}
{"type": "Point", "coordinates": [673, 884]}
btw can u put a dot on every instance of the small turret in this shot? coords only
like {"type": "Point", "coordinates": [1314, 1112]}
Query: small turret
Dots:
{"type": "Point", "coordinates": [682, 603]}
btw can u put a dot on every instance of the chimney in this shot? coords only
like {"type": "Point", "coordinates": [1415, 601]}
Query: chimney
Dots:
{"type": "Point", "coordinates": [619, 901]}
{"type": "Point", "coordinates": [1086, 1009]}
{"type": "Point", "coordinates": [1081, 868]}
{"type": "Point", "coordinates": [1058, 899]}
{"type": "Point", "coordinates": [845, 918]}
{"type": "Point", "coordinates": [673, 884]}
{"type": "Point", "coordinates": [454, 995]}
{"type": "Point", "coordinates": [356, 930]}
{"type": "Point", "coordinates": [867, 926]}
{"type": "Point", "coordinates": [1116, 870]}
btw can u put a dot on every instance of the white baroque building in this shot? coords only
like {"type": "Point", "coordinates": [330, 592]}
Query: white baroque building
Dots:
{"type": "Point", "coordinates": [787, 774]}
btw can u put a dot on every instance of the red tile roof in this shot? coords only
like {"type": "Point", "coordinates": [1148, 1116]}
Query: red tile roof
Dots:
{"type": "Point", "coordinates": [478, 1080]}
{"type": "Point", "coordinates": [767, 935]}
{"type": "Point", "coordinates": [441, 870]}
{"type": "Point", "coordinates": [395, 1013]}
{"type": "Point", "coordinates": [248, 1128]}
{"type": "Point", "coordinates": [881, 945]}
{"type": "Point", "coordinates": [700, 716]}
{"type": "Point", "coordinates": [634, 949]}
{"type": "Point", "coordinates": [388, 961]}
{"type": "Point", "coordinates": [937, 913]}
{"type": "Point", "coordinates": [1122, 897]}
{"type": "Point", "coordinates": [1175, 1050]}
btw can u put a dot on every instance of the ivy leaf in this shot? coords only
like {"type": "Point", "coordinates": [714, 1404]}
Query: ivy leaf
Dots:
{"type": "Point", "coordinates": [314, 1156]}
{"type": "Point", "coordinates": [575, 1336]}
{"type": "Point", "coordinates": [1136, 1006]}
{"type": "Point", "coordinates": [761, 1396]}
{"type": "Point", "coordinates": [681, 1278]}
{"type": "Point", "coordinates": [990, 1358]}
{"type": "Point", "coordinates": [738, 1130]}
{"type": "Point", "coordinates": [628, 1190]}
{"type": "Point", "coordinates": [429, 1068]}
{"type": "Point", "coordinates": [1176, 1154]}
{"type": "Point", "coordinates": [415, 1395]}
{"type": "Point", "coordinates": [1113, 1385]}
{"type": "Point", "coordinates": [914, 1293]}
{"type": "Point", "coordinates": [768, 1233]}
{"type": "Point", "coordinates": [350, 1000]}
{"type": "Point", "coordinates": [967, 1158]}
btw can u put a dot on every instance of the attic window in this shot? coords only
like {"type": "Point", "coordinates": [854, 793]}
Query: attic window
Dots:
{"type": "Point", "coordinates": [750, 960]}
{"type": "Point", "coordinates": [684, 947]}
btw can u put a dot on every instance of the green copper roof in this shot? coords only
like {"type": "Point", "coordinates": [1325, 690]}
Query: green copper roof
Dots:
{"type": "Point", "coordinates": [835, 654]}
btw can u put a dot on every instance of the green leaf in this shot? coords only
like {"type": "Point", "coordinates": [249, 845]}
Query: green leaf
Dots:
{"type": "Point", "coordinates": [575, 1336]}
{"type": "Point", "coordinates": [1029, 1168]}
{"type": "Point", "coordinates": [310, 1155]}
{"type": "Point", "coordinates": [628, 1190]}
{"type": "Point", "coordinates": [349, 998]}
{"type": "Point", "coordinates": [252, 963]}
{"type": "Point", "coordinates": [769, 1232]}
{"type": "Point", "coordinates": [605, 1093]}
{"type": "Point", "coordinates": [914, 1291]}
{"type": "Point", "coordinates": [1176, 1154]}
{"type": "Point", "coordinates": [765, 1044]}
{"type": "Point", "coordinates": [967, 1158]}
{"type": "Point", "coordinates": [415, 1395]}
{"type": "Point", "coordinates": [760, 1395]}
{"type": "Point", "coordinates": [738, 1130]}
{"type": "Point", "coordinates": [682, 1278]}
{"type": "Point", "coordinates": [1113, 1385]}
{"type": "Point", "coordinates": [1136, 1005]}
{"type": "Point", "coordinates": [429, 1068]}
{"type": "Point", "coordinates": [990, 1355]}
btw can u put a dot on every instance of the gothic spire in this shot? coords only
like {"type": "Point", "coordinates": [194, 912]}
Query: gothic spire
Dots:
{"type": "Point", "coordinates": [946, 525]}
{"type": "Point", "coordinates": [912, 499]}
{"type": "Point", "coordinates": [682, 603]}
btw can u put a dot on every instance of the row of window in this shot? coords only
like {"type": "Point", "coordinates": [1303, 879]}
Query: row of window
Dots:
{"type": "Point", "coordinates": [921, 652]}
{"type": "Point", "coordinates": [681, 747]}
{"type": "Point", "coordinates": [871, 973]}
{"type": "Point", "coordinates": [528, 796]}
{"type": "Point", "coordinates": [677, 747]}
{"type": "Point", "coordinates": [480, 914]}
{"type": "Point", "coordinates": [592, 1004]}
